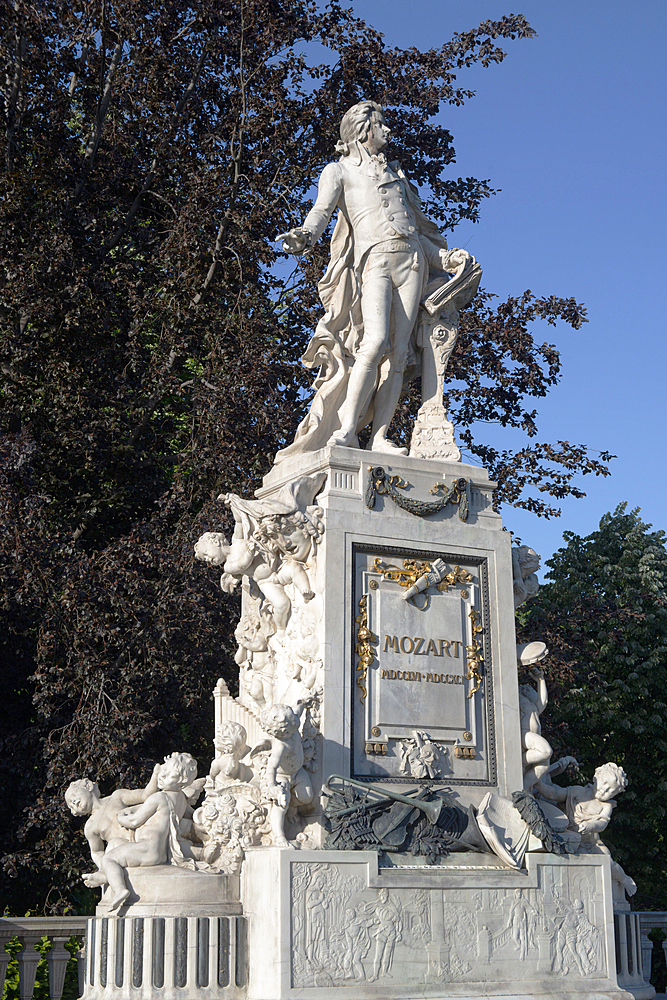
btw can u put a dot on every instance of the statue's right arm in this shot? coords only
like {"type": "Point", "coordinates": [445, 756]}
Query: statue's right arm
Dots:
{"type": "Point", "coordinates": [135, 796]}
{"type": "Point", "coordinates": [329, 190]}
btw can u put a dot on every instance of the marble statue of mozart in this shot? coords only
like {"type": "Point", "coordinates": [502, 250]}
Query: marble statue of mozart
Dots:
{"type": "Point", "coordinates": [387, 260]}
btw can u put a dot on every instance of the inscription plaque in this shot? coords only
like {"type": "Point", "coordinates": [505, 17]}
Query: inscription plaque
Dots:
{"type": "Point", "coordinates": [420, 663]}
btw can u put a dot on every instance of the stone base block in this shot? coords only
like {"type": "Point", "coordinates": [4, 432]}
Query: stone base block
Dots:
{"type": "Point", "coordinates": [332, 921]}
{"type": "Point", "coordinates": [140, 958]}
{"type": "Point", "coordinates": [181, 935]}
{"type": "Point", "coordinates": [166, 890]}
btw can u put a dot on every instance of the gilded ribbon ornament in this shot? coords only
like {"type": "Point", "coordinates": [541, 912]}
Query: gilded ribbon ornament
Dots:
{"type": "Point", "coordinates": [474, 653]}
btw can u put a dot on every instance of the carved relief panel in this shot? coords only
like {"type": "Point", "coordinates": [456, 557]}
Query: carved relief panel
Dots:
{"type": "Point", "coordinates": [422, 678]}
{"type": "Point", "coordinates": [345, 932]}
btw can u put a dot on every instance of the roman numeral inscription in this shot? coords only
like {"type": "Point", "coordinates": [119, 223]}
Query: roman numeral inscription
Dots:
{"type": "Point", "coordinates": [417, 675]}
{"type": "Point", "coordinates": [407, 644]}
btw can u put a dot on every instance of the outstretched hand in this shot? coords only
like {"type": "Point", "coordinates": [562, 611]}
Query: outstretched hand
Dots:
{"type": "Point", "coordinates": [296, 241]}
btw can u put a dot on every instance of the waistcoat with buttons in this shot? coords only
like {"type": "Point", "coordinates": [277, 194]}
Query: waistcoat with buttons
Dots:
{"type": "Point", "coordinates": [376, 203]}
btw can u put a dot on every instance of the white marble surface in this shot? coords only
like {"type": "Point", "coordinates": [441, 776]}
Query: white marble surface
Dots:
{"type": "Point", "coordinates": [316, 651]}
{"type": "Point", "coordinates": [332, 919]}
{"type": "Point", "coordinates": [165, 890]}
{"type": "Point", "coordinates": [404, 323]}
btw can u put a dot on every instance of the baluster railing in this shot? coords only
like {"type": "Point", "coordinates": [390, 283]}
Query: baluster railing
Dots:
{"type": "Point", "coordinates": [650, 920]}
{"type": "Point", "coordinates": [30, 931]}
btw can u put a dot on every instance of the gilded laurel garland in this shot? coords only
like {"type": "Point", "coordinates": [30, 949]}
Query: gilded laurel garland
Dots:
{"type": "Point", "coordinates": [474, 653]}
{"type": "Point", "coordinates": [363, 647]}
{"type": "Point", "coordinates": [380, 483]}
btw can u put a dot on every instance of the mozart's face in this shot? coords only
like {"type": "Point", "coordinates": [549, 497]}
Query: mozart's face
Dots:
{"type": "Point", "coordinates": [378, 134]}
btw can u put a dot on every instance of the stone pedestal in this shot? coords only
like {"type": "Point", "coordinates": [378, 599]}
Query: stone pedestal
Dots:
{"type": "Point", "coordinates": [382, 609]}
{"type": "Point", "coordinates": [333, 922]}
{"type": "Point", "coordinates": [184, 935]}
{"type": "Point", "coordinates": [445, 661]}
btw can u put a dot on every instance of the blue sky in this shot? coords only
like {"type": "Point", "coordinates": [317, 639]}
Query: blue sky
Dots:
{"type": "Point", "coordinates": [571, 127]}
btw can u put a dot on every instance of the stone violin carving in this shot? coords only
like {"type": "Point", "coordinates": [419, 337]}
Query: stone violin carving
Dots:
{"type": "Point", "coordinates": [391, 295]}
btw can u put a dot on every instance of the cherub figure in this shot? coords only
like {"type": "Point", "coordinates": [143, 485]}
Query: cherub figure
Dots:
{"type": "Point", "coordinates": [269, 575]}
{"type": "Point", "coordinates": [525, 564]}
{"type": "Point", "coordinates": [285, 775]}
{"type": "Point", "coordinates": [589, 808]}
{"type": "Point", "coordinates": [256, 663]}
{"type": "Point", "coordinates": [157, 824]}
{"type": "Point", "coordinates": [536, 750]}
{"type": "Point", "coordinates": [102, 827]}
{"type": "Point", "coordinates": [272, 542]}
{"type": "Point", "coordinates": [230, 745]}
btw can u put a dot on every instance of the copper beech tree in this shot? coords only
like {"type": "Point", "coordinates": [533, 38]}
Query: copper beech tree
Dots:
{"type": "Point", "coordinates": [149, 350]}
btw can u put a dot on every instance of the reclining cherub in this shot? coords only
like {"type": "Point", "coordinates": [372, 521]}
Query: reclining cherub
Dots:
{"type": "Point", "coordinates": [159, 821]}
{"type": "Point", "coordinates": [589, 808]}
{"type": "Point", "coordinates": [102, 827]}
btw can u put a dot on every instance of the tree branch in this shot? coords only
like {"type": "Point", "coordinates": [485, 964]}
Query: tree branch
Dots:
{"type": "Point", "coordinates": [12, 99]}
{"type": "Point", "coordinates": [122, 230]}
{"type": "Point", "coordinates": [237, 156]}
{"type": "Point", "coordinates": [102, 109]}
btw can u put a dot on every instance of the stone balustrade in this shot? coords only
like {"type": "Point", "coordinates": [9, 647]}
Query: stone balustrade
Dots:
{"type": "Point", "coordinates": [30, 931]}
{"type": "Point", "coordinates": [648, 921]}
{"type": "Point", "coordinates": [630, 955]}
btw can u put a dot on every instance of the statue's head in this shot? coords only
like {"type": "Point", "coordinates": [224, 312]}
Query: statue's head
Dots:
{"type": "Point", "coordinates": [609, 780]}
{"type": "Point", "coordinates": [178, 771]}
{"type": "Point", "coordinates": [212, 547]}
{"type": "Point", "coordinates": [280, 721]}
{"type": "Point", "coordinates": [80, 796]}
{"type": "Point", "coordinates": [230, 738]}
{"type": "Point", "coordinates": [529, 561]}
{"type": "Point", "coordinates": [360, 122]}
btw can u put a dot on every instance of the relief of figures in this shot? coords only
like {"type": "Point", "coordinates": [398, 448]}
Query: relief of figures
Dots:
{"type": "Point", "coordinates": [577, 944]}
{"type": "Point", "coordinates": [522, 924]}
{"type": "Point", "coordinates": [387, 930]}
{"type": "Point", "coordinates": [344, 932]}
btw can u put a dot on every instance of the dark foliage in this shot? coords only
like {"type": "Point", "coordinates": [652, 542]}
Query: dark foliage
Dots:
{"type": "Point", "coordinates": [148, 355]}
{"type": "Point", "coordinates": [604, 617]}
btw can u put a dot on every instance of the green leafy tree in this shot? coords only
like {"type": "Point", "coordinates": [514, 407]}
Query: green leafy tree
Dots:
{"type": "Point", "coordinates": [603, 615]}
{"type": "Point", "coordinates": [148, 347]}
